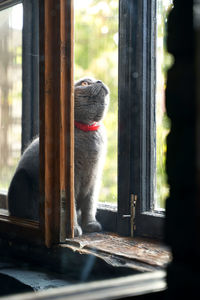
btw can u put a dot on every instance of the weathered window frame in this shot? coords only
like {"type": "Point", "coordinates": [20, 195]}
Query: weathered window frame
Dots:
{"type": "Point", "coordinates": [56, 118]}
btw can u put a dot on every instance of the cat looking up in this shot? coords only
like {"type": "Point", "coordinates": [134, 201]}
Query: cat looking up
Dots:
{"type": "Point", "coordinates": [90, 105]}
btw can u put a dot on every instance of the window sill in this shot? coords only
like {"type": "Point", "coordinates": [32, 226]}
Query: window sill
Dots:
{"type": "Point", "coordinates": [138, 253]}
{"type": "Point", "coordinates": [134, 256]}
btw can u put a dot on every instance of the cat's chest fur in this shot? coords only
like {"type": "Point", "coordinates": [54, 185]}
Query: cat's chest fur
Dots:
{"type": "Point", "coordinates": [90, 146]}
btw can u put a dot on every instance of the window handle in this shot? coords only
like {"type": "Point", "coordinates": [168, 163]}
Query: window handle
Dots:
{"type": "Point", "coordinates": [132, 214]}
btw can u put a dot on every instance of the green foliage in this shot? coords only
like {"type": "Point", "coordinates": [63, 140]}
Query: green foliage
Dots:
{"type": "Point", "coordinates": [164, 61]}
{"type": "Point", "coordinates": [162, 189]}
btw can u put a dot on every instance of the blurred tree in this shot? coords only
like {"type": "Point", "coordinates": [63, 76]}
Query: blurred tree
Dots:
{"type": "Point", "coordinates": [164, 61]}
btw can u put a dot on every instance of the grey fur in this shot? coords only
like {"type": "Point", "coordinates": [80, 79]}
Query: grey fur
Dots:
{"type": "Point", "coordinates": [91, 102]}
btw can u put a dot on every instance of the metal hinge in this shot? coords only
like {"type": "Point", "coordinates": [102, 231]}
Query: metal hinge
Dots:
{"type": "Point", "coordinates": [132, 214]}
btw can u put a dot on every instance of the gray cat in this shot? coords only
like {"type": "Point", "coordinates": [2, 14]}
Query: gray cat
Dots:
{"type": "Point", "coordinates": [91, 103]}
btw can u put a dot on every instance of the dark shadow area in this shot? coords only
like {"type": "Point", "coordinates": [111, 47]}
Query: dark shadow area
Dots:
{"type": "Point", "coordinates": [36, 269]}
{"type": "Point", "coordinates": [10, 285]}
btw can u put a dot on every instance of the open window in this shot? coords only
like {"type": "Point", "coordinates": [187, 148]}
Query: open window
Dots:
{"type": "Point", "coordinates": [124, 39]}
{"type": "Point", "coordinates": [134, 63]}
{"type": "Point", "coordinates": [129, 42]}
{"type": "Point", "coordinates": [29, 56]}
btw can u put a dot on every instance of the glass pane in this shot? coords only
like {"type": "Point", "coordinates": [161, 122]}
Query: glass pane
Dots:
{"type": "Point", "coordinates": [10, 92]}
{"type": "Point", "coordinates": [163, 62]}
{"type": "Point", "coordinates": [96, 55]}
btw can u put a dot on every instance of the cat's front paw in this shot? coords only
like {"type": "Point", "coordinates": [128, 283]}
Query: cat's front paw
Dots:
{"type": "Point", "coordinates": [93, 226]}
{"type": "Point", "coordinates": [77, 230]}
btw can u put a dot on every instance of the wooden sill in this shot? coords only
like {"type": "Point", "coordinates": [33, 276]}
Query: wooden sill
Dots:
{"type": "Point", "coordinates": [138, 253]}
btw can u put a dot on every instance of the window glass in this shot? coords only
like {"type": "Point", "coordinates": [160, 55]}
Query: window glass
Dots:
{"type": "Point", "coordinates": [10, 91]}
{"type": "Point", "coordinates": [96, 55]}
{"type": "Point", "coordinates": [163, 62]}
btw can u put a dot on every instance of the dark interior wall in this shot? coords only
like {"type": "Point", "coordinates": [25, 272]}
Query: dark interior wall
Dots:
{"type": "Point", "coordinates": [182, 210]}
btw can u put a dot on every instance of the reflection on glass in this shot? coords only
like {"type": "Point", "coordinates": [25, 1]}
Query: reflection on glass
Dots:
{"type": "Point", "coordinates": [10, 92]}
{"type": "Point", "coordinates": [163, 62]}
{"type": "Point", "coordinates": [96, 55]}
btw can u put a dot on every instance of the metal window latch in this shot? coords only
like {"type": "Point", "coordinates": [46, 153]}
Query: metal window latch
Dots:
{"type": "Point", "coordinates": [132, 214]}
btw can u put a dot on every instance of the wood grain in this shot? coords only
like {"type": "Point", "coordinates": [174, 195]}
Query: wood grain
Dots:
{"type": "Point", "coordinates": [146, 251]}
{"type": "Point", "coordinates": [59, 120]}
{"type": "Point", "coordinates": [67, 117]}
{"type": "Point", "coordinates": [52, 121]}
{"type": "Point", "coordinates": [14, 228]}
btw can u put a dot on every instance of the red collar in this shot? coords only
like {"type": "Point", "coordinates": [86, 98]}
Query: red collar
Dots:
{"type": "Point", "coordinates": [85, 127]}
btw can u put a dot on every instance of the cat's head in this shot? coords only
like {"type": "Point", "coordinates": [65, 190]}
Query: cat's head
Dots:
{"type": "Point", "coordinates": [91, 100]}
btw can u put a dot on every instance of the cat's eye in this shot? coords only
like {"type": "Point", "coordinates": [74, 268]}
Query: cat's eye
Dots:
{"type": "Point", "coordinates": [84, 83]}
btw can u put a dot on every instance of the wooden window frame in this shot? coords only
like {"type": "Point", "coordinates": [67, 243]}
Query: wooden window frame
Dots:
{"type": "Point", "coordinates": [56, 118]}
